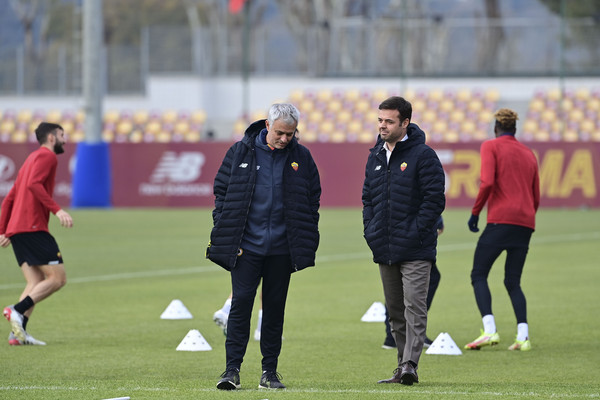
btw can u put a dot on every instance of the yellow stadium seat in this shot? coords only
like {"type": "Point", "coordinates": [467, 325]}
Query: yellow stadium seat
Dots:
{"type": "Point", "coordinates": [593, 105]}
{"type": "Point", "coordinates": [136, 137]}
{"type": "Point", "coordinates": [530, 125]}
{"type": "Point", "coordinates": [111, 116]}
{"type": "Point", "coordinates": [344, 116]}
{"type": "Point", "coordinates": [475, 105]}
{"type": "Point", "coordinates": [337, 137]}
{"type": "Point", "coordinates": [446, 105]}
{"type": "Point", "coordinates": [306, 106]}
{"type": "Point", "coordinates": [537, 105]}
{"type": "Point", "coordinates": [439, 126]}
{"type": "Point", "coordinates": [379, 95]}
{"type": "Point", "coordinates": [436, 95]}
{"type": "Point", "coordinates": [492, 95]}
{"type": "Point", "coordinates": [327, 127]}
{"type": "Point", "coordinates": [108, 135]}
{"type": "Point", "coordinates": [570, 135]}
{"type": "Point", "coordinates": [163, 137]}
{"type": "Point", "coordinates": [567, 105]}
{"type": "Point", "coordinates": [192, 136]}
{"type": "Point", "coordinates": [576, 115]}
{"type": "Point", "coordinates": [308, 136]}
{"type": "Point", "coordinates": [296, 96]}
{"type": "Point", "coordinates": [324, 95]}
{"type": "Point", "coordinates": [451, 136]}
{"type": "Point", "coordinates": [258, 115]}
{"type": "Point", "coordinates": [463, 95]}
{"type": "Point", "coordinates": [181, 127]}
{"type": "Point", "coordinates": [457, 116]}
{"type": "Point", "coordinates": [362, 106]}
{"type": "Point", "coordinates": [7, 126]}
{"type": "Point", "coordinates": [548, 115]}
{"type": "Point", "coordinates": [582, 94]}
{"type": "Point", "coordinates": [80, 116]}
{"type": "Point", "coordinates": [124, 127]}
{"type": "Point", "coordinates": [24, 116]}
{"type": "Point", "coordinates": [153, 127]}
{"type": "Point", "coordinates": [355, 126]}
{"type": "Point", "coordinates": [468, 127]}
{"type": "Point", "coordinates": [541, 136]}
{"type": "Point", "coordinates": [419, 105]}
{"type": "Point", "coordinates": [77, 136]}
{"type": "Point", "coordinates": [554, 94]}
{"type": "Point", "coordinates": [54, 116]}
{"type": "Point", "coordinates": [587, 126]}
{"type": "Point", "coordinates": [334, 106]}
{"type": "Point", "coordinates": [198, 117]}
{"type": "Point", "coordinates": [19, 136]}
{"type": "Point", "coordinates": [352, 95]}
{"type": "Point", "coordinates": [429, 116]}
{"type": "Point", "coordinates": [315, 116]}
{"type": "Point", "coordinates": [140, 117]}
{"type": "Point", "coordinates": [367, 137]}
{"type": "Point", "coordinates": [410, 95]}
{"type": "Point", "coordinates": [239, 127]}
{"type": "Point", "coordinates": [169, 116]}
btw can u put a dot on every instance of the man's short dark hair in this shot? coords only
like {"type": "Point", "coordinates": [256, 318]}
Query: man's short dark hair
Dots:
{"type": "Point", "coordinates": [400, 104]}
{"type": "Point", "coordinates": [44, 129]}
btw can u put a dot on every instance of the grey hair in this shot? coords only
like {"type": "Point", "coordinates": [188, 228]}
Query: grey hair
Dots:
{"type": "Point", "coordinates": [285, 111]}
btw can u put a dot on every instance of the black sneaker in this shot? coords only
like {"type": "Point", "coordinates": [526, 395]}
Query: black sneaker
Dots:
{"type": "Point", "coordinates": [230, 380]}
{"type": "Point", "coordinates": [270, 380]}
{"type": "Point", "coordinates": [427, 342]}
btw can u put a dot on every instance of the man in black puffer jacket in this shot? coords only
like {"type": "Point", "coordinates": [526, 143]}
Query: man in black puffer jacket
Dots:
{"type": "Point", "coordinates": [403, 198]}
{"type": "Point", "coordinates": [267, 196]}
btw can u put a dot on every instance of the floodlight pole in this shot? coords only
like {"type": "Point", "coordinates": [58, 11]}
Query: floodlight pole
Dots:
{"type": "Point", "coordinates": [92, 69]}
{"type": "Point", "coordinates": [246, 60]}
{"type": "Point", "coordinates": [92, 179]}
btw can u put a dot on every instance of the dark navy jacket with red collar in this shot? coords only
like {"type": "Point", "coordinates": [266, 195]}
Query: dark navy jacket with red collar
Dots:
{"type": "Point", "coordinates": [403, 200]}
{"type": "Point", "coordinates": [234, 187]}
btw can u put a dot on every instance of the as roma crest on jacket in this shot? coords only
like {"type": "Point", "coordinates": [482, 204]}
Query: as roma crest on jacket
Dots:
{"type": "Point", "coordinates": [295, 166]}
{"type": "Point", "coordinates": [403, 166]}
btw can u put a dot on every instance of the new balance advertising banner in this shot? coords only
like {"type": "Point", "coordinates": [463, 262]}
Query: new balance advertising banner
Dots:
{"type": "Point", "coordinates": [182, 174]}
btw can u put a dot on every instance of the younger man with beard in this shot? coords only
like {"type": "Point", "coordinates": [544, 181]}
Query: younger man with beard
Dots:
{"type": "Point", "coordinates": [24, 219]}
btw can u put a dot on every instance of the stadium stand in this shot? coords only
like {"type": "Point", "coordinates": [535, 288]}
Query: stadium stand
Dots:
{"type": "Point", "coordinates": [575, 113]}
{"type": "Point", "coordinates": [349, 115]}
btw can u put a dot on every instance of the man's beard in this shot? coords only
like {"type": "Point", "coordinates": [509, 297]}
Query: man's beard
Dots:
{"type": "Point", "coordinates": [58, 148]}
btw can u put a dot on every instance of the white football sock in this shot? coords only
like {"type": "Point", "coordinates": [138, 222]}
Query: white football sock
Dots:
{"type": "Point", "coordinates": [489, 324]}
{"type": "Point", "coordinates": [259, 324]}
{"type": "Point", "coordinates": [522, 331]}
{"type": "Point", "coordinates": [227, 306]}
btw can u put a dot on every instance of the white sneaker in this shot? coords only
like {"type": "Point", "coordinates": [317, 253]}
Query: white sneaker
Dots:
{"type": "Point", "coordinates": [16, 321]}
{"type": "Point", "coordinates": [220, 318]}
{"type": "Point", "coordinates": [29, 340]}
{"type": "Point", "coordinates": [257, 335]}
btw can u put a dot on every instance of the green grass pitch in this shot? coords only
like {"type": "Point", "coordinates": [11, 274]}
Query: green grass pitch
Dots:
{"type": "Point", "coordinates": [106, 339]}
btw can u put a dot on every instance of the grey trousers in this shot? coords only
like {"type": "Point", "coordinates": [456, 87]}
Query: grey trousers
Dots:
{"type": "Point", "coordinates": [405, 288]}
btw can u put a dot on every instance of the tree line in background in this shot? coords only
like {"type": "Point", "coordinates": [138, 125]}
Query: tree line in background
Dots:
{"type": "Point", "coordinates": [340, 40]}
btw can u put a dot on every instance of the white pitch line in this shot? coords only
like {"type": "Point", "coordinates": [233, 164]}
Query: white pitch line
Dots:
{"type": "Point", "coordinates": [414, 390]}
{"type": "Point", "coordinates": [366, 255]}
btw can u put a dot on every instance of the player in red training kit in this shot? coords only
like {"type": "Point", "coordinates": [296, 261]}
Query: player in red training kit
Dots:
{"type": "Point", "coordinates": [24, 219]}
{"type": "Point", "coordinates": [510, 186]}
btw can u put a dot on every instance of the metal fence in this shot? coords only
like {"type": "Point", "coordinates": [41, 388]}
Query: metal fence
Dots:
{"type": "Point", "coordinates": [433, 47]}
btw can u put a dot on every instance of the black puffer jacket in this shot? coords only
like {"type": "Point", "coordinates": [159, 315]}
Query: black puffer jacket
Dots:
{"type": "Point", "coordinates": [233, 188]}
{"type": "Point", "coordinates": [403, 201]}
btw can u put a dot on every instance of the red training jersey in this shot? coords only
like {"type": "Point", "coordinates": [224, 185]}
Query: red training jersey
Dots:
{"type": "Point", "coordinates": [29, 202]}
{"type": "Point", "coordinates": [510, 182]}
